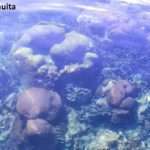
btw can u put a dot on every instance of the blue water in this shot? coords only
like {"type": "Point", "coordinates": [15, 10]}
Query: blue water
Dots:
{"type": "Point", "coordinates": [75, 75]}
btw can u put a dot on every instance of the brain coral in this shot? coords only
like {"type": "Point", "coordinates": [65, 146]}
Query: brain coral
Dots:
{"type": "Point", "coordinates": [34, 102]}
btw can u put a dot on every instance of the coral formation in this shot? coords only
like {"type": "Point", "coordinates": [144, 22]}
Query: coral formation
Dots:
{"type": "Point", "coordinates": [37, 127]}
{"type": "Point", "coordinates": [74, 127]}
{"type": "Point", "coordinates": [105, 139]}
{"type": "Point", "coordinates": [24, 56]}
{"type": "Point", "coordinates": [31, 52]}
{"type": "Point", "coordinates": [7, 120]}
{"type": "Point", "coordinates": [34, 102]}
{"type": "Point", "coordinates": [74, 44]}
{"type": "Point", "coordinates": [119, 96]}
{"type": "Point", "coordinates": [96, 56]}
{"type": "Point", "coordinates": [38, 109]}
{"type": "Point", "coordinates": [117, 91]}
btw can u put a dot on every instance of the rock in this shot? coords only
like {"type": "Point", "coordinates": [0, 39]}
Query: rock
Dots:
{"type": "Point", "coordinates": [33, 102]}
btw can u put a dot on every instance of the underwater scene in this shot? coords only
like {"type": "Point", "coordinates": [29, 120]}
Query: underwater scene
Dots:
{"type": "Point", "coordinates": [75, 75]}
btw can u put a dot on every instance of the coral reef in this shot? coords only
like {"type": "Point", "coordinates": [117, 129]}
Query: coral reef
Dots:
{"type": "Point", "coordinates": [76, 77]}
{"type": "Point", "coordinates": [117, 91]}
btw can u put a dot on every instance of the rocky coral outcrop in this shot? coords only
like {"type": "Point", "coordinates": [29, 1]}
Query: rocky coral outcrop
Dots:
{"type": "Point", "coordinates": [119, 96]}
{"type": "Point", "coordinates": [31, 51]}
{"type": "Point", "coordinates": [93, 43]}
{"type": "Point", "coordinates": [38, 109]}
{"type": "Point", "coordinates": [117, 91]}
{"type": "Point", "coordinates": [34, 102]}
